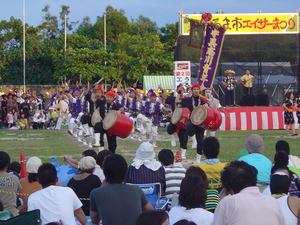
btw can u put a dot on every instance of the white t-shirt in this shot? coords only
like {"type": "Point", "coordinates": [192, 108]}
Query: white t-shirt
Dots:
{"type": "Point", "coordinates": [55, 203]}
{"type": "Point", "coordinates": [99, 172]}
{"type": "Point", "coordinates": [197, 215]}
{"type": "Point", "coordinates": [248, 207]}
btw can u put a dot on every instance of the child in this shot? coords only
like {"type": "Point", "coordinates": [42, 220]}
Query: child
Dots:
{"type": "Point", "coordinates": [10, 119]}
{"type": "Point", "coordinates": [22, 122]}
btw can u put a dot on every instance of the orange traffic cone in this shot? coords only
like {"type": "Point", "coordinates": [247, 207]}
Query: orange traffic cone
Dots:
{"type": "Point", "coordinates": [23, 172]}
{"type": "Point", "coordinates": [178, 157]}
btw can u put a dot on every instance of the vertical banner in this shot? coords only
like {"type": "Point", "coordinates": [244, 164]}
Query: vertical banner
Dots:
{"type": "Point", "coordinates": [182, 73]}
{"type": "Point", "coordinates": [210, 54]}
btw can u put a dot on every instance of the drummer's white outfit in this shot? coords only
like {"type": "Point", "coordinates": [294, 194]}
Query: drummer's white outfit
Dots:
{"type": "Point", "coordinates": [215, 104]}
{"type": "Point", "coordinates": [134, 109]}
{"type": "Point", "coordinates": [63, 107]}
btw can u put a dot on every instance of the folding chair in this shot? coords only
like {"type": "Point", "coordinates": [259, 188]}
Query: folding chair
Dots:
{"type": "Point", "coordinates": [153, 194]}
{"type": "Point", "coordinates": [29, 218]}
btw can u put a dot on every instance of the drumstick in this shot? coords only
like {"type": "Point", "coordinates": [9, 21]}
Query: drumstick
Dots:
{"type": "Point", "coordinates": [98, 81]}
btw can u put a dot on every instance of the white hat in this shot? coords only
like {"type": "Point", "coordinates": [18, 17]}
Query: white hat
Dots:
{"type": "Point", "coordinates": [33, 164]}
{"type": "Point", "coordinates": [87, 163]}
{"type": "Point", "coordinates": [145, 151]}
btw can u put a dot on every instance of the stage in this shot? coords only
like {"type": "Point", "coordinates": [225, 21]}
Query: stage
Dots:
{"type": "Point", "coordinates": [255, 118]}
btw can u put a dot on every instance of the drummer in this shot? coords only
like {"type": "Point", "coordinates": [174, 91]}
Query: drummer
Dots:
{"type": "Point", "coordinates": [208, 93]}
{"type": "Point", "coordinates": [191, 103]}
{"type": "Point", "coordinates": [171, 129]}
{"type": "Point", "coordinates": [105, 106]}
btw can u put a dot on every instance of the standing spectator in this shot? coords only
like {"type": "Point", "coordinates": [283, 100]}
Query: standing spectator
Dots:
{"type": "Point", "coordinates": [145, 169]}
{"type": "Point", "coordinates": [117, 203]}
{"type": "Point", "coordinates": [255, 146]}
{"type": "Point", "coordinates": [25, 107]}
{"type": "Point", "coordinates": [174, 174]}
{"type": "Point", "coordinates": [244, 204]}
{"type": "Point", "coordinates": [4, 107]}
{"type": "Point", "coordinates": [192, 198]}
{"type": "Point", "coordinates": [9, 185]}
{"type": "Point", "coordinates": [212, 165]}
{"type": "Point", "coordinates": [10, 119]}
{"type": "Point", "coordinates": [55, 203]}
{"type": "Point", "coordinates": [84, 182]}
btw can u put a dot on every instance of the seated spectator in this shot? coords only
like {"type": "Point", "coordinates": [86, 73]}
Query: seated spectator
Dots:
{"type": "Point", "coordinates": [290, 205]}
{"type": "Point", "coordinates": [255, 146]}
{"type": "Point", "coordinates": [74, 163]}
{"type": "Point", "coordinates": [174, 174]}
{"type": "Point", "coordinates": [294, 161]}
{"type": "Point", "coordinates": [38, 121]}
{"type": "Point", "coordinates": [145, 169]}
{"type": "Point", "coordinates": [212, 165]}
{"type": "Point", "coordinates": [153, 217]}
{"type": "Point", "coordinates": [84, 182]}
{"type": "Point", "coordinates": [281, 161]}
{"type": "Point", "coordinates": [22, 122]}
{"type": "Point", "coordinates": [56, 204]}
{"type": "Point", "coordinates": [184, 222]}
{"type": "Point", "coordinates": [14, 168]}
{"type": "Point", "coordinates": [9, 185]}
{"type": "Point", "coordinates": [5, 214]}
{"type": "Point", "coordinates": [192, 197]}
{"type": "Point", "coordinates": [243, 203]}
{"type": "Point", "coordinates": [117, 203]}
{"type": "Point", "coordinates": [30, 183]}
{"type": "Point", "coordinates": [213, 196]}
{"type": "Point", "coordinates": [100, 159]}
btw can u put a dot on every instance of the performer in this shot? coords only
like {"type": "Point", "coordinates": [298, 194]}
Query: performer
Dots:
{"type": "Point", "coordinates": [63, 107]}
{"type": "Point", "coordinates": [152, 111]}
{"type": "Point", "coordinates": [191, 103]}
{"type": "Point", "coordinates": [247, 82]}
{"type": "Point", "coordinates": [288, 113]}
{"type": "Point", "coordinates": [133, 110]}
{"type": "Point", "coordinates": [105, 106]}
{"type": "Point", "coordinates": [297, 107]}
{"type": "Point", "coordinates": [214, 103]}
{"type": "Point", "coordinates": [171, 129]}
{"type": "Point", "coordinates": [229, 84]}
{"type": "Point", "coordinates": [99, 136]}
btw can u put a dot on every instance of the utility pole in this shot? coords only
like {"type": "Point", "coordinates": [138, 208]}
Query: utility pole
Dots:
{"type": "Point", "coordinates": [24, 50]}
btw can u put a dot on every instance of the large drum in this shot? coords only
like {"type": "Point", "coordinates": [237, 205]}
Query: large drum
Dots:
{"type": "Point", "coordinates": [206, 118]}
{"type": "Point", "coordinates": [119, 125]}
{"type": "Point", "coordinates": [180, 117]}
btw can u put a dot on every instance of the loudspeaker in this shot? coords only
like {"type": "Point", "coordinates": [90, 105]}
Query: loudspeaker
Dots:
{"type": "Point", "coordinates": [262, 100]}
{"type": "Point", "coordinates": [248, 100]}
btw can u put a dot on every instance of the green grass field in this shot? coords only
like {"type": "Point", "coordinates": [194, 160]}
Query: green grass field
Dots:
{"type": "Point", "coordinates": [47, 144]}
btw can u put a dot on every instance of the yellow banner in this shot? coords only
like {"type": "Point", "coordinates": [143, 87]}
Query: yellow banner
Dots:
{"type": "Point", "coordinates": [262, 23]}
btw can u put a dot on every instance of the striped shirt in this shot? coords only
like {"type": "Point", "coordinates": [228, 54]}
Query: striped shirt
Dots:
{"type": "Point", "coordinates": [143, 175]}
{"type": "Point", "coordinates": [212, 201]}
{"type": "Point", "coordinates": [174, 176]}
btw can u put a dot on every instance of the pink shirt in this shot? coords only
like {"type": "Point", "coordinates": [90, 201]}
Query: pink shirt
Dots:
{"type": "Point", "coordinates": [248, 207]}
{"type": "Point", "coordinates": [9, 117]}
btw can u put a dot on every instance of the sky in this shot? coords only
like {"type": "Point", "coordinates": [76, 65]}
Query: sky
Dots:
{"type": "Point", "coordinates": [160, 11]}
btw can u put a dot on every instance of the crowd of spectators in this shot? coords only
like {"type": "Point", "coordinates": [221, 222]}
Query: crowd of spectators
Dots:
{"type": "Point", "coordinates": [25, 111]}
{"type": "Point", "coordinates": [209, 193]}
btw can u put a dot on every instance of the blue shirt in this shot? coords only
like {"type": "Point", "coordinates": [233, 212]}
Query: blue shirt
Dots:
{"type": "Point", "coordinates": [261, 163]}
